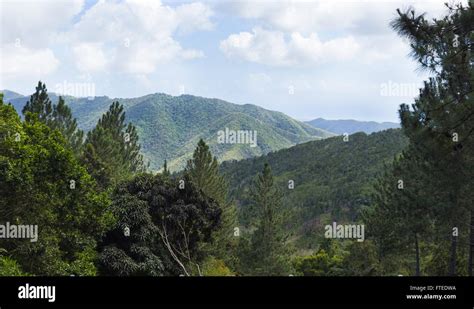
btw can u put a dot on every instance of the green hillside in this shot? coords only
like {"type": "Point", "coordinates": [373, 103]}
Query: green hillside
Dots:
{"type": "Point", "coordinates": [170, 127]}
{"type": "Point", "coordinates": [331, 177]}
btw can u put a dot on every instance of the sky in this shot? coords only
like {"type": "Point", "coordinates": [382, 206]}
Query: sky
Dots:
{"type": "Point", "coordinates": [308, 59]}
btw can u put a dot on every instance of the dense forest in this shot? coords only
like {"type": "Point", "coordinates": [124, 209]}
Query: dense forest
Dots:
{"type": "Point", "coordinates": [321, 181]}
{"type": "Point", "coordinates": [100, 211]}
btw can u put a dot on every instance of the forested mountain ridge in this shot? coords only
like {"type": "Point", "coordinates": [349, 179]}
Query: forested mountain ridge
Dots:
{"type": "Point", "coordinates": [169, 127]}
{"type": "Point", "coordinates": [332, 177]}
{"type": "Point", "coordinates": [351, 126]}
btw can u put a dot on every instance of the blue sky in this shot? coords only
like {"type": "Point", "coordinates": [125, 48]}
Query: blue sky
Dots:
{"type": "Point", "coordinates": [308, 59]}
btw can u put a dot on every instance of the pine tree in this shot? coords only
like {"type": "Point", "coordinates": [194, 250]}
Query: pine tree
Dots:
{"type": "Point", "coordinates": [113, 146]}
{"type": "Point", "coordinates": [269, 253]}
{"type": "Point", "coordinates": [57, 116]}
{"type": "Point", "coordinates": [203, 171]}
{"type": "Point", "coordinates": [166, 172]}
{"type": "Point", "coordinates": [39, 103]}
{"type": "Point", "coordinates": [440, 122]}
{"type": "Point", "coordinates": [63, 120]}
{"type": "Point", "coordinates": [402, 212]}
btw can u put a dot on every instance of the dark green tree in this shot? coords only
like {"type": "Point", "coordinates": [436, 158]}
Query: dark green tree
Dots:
{"type": "Point", "coordinates": [43, 184]}
{"type": "Point", "coordinates": [166, 172]}
{"type": "Point", "coordinates": [269, 253]}
{"type": "Point", "coordinates": [440, 122]}
{"type": "Point", "coordinates": [63, 120]}
{"type": "Point", "coordinates": [402, 212]}
{"type": "Point", "coordinates": [112, 151]}
{"type": "Point", "coordinates": [57, 116]}
{"type": "Point", "coordinates": [203, 171]}
{"type": "Point", "coordinates": [166, 223]}
{"type": "Point", "coordinates": [39, 103]}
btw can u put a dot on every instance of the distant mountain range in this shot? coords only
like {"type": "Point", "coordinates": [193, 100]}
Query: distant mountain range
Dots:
{"type": "Point", "coordinates": [170, 126]}
{"type": "Point", "coordinates": [351, 126]}
{"type": "Point", "coordinates": [10, 95]}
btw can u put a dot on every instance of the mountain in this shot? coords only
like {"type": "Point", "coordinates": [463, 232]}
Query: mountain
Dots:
{"type": "Point", "coordinates": [171, 126]}
{"type": "Point", "coordinates": [10, 95]}
{"type": "Point", "coordinates": [332, 179]}
{"type": "Point", "coordinates": [351, 126]}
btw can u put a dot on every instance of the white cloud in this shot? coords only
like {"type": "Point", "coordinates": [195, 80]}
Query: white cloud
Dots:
{"type": "Point", "coordinates": [18, 61]}
{"type": "Point", "coordinates": [35, 23]}
{"type": "Point", "coordinates": [194, 16]}
{"type": "Point", "coordinates": [27, 31]}
{"type": "Point", "coordinates": [286, 32]}
{"type": "Point", "coordinates": [90, 57]}
{"type": "Point", "coordinates": [309, 16]}
{"type": "Point", "coordinates": [273, 48]}
{"type": "Point", "coordinates": [137, 36]}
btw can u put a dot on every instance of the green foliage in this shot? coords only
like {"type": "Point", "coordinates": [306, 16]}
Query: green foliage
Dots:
{"type": "Point", "coordinates": [318, 264]}
{"type": "Point", "coordinates": [56, 116]}
{"type": "Point", "coordinates": [166, 172]}
{"type": "Point", "coordinates": [39, 104]}
{"type": "Point", "coordinates": [112, 152]}
{"type": "Point", "coordinates": [9, 267]}
{"type": "Point", "coordinates": [215, 267]}
{"type": "Point", "coordinates": [437, 167]}
{"type": "Point", "coordinates": [203, 171]}
{"type": "Point", "coordinates": [167, 224]}
{"type": "Point", "coordinates": [63, 121]}
{"type": "Point", "coordinates": [361, 259]}
{"type": "Point", "coordinates": [170, 127]}
{"type": "Point", "coordinates": [268, 252]}
{"type": "Point", "coordinates": [36, 170]}
{"type": "Point", "coordinates": [332, 179]}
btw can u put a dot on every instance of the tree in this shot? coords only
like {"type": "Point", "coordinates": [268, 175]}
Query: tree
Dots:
{"type": "Point", "coordinates": [318, 264]}
{"type": "Point", "coordinates": [166, 172]}
{"type": "Point", "coordinates": [57, 116]}
{"type": "Point", "coordinates": [166, 223]}
{"type": "Point", "coordinates": [268, 251]}
{"type": "Point", "coordinates": [39, 103]}
{"type": "Point", "coordinates": [63, 120]}
{"type": "Point", "coordinates": [440, 122]}
{"type": "Point", "coordinates": [42, 184]}
{"type": "Point", "coordinates": [402, 209]}
{"type": "Point", "coordinates": [8, 266]}
{"type": "Point", "coordinates": [112, 151]}
{"type": "Point", "coordinates": [203, 171]}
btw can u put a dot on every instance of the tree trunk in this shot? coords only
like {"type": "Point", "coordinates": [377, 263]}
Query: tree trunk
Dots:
{"type": "Point", "coordinates": [452, 264]}
{"type": "Point", "coordinates": [417, 256]}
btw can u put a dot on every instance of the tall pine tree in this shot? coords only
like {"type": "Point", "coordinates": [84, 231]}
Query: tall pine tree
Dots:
{"type": "Point", "coordinates": [203, 171]}
{"type": "Point", "coordinates": [269, 253]}
{"type": "Point", "coordinates": [57, 116]}
{"type": "Point", "coordinates": [112, 151]}
{"type": "Point", "coordinates": [440, 122]}
{"type": "Point", "coordinates": [63, 120]}
{"type": "Point", "coordinates": [39, 103]}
